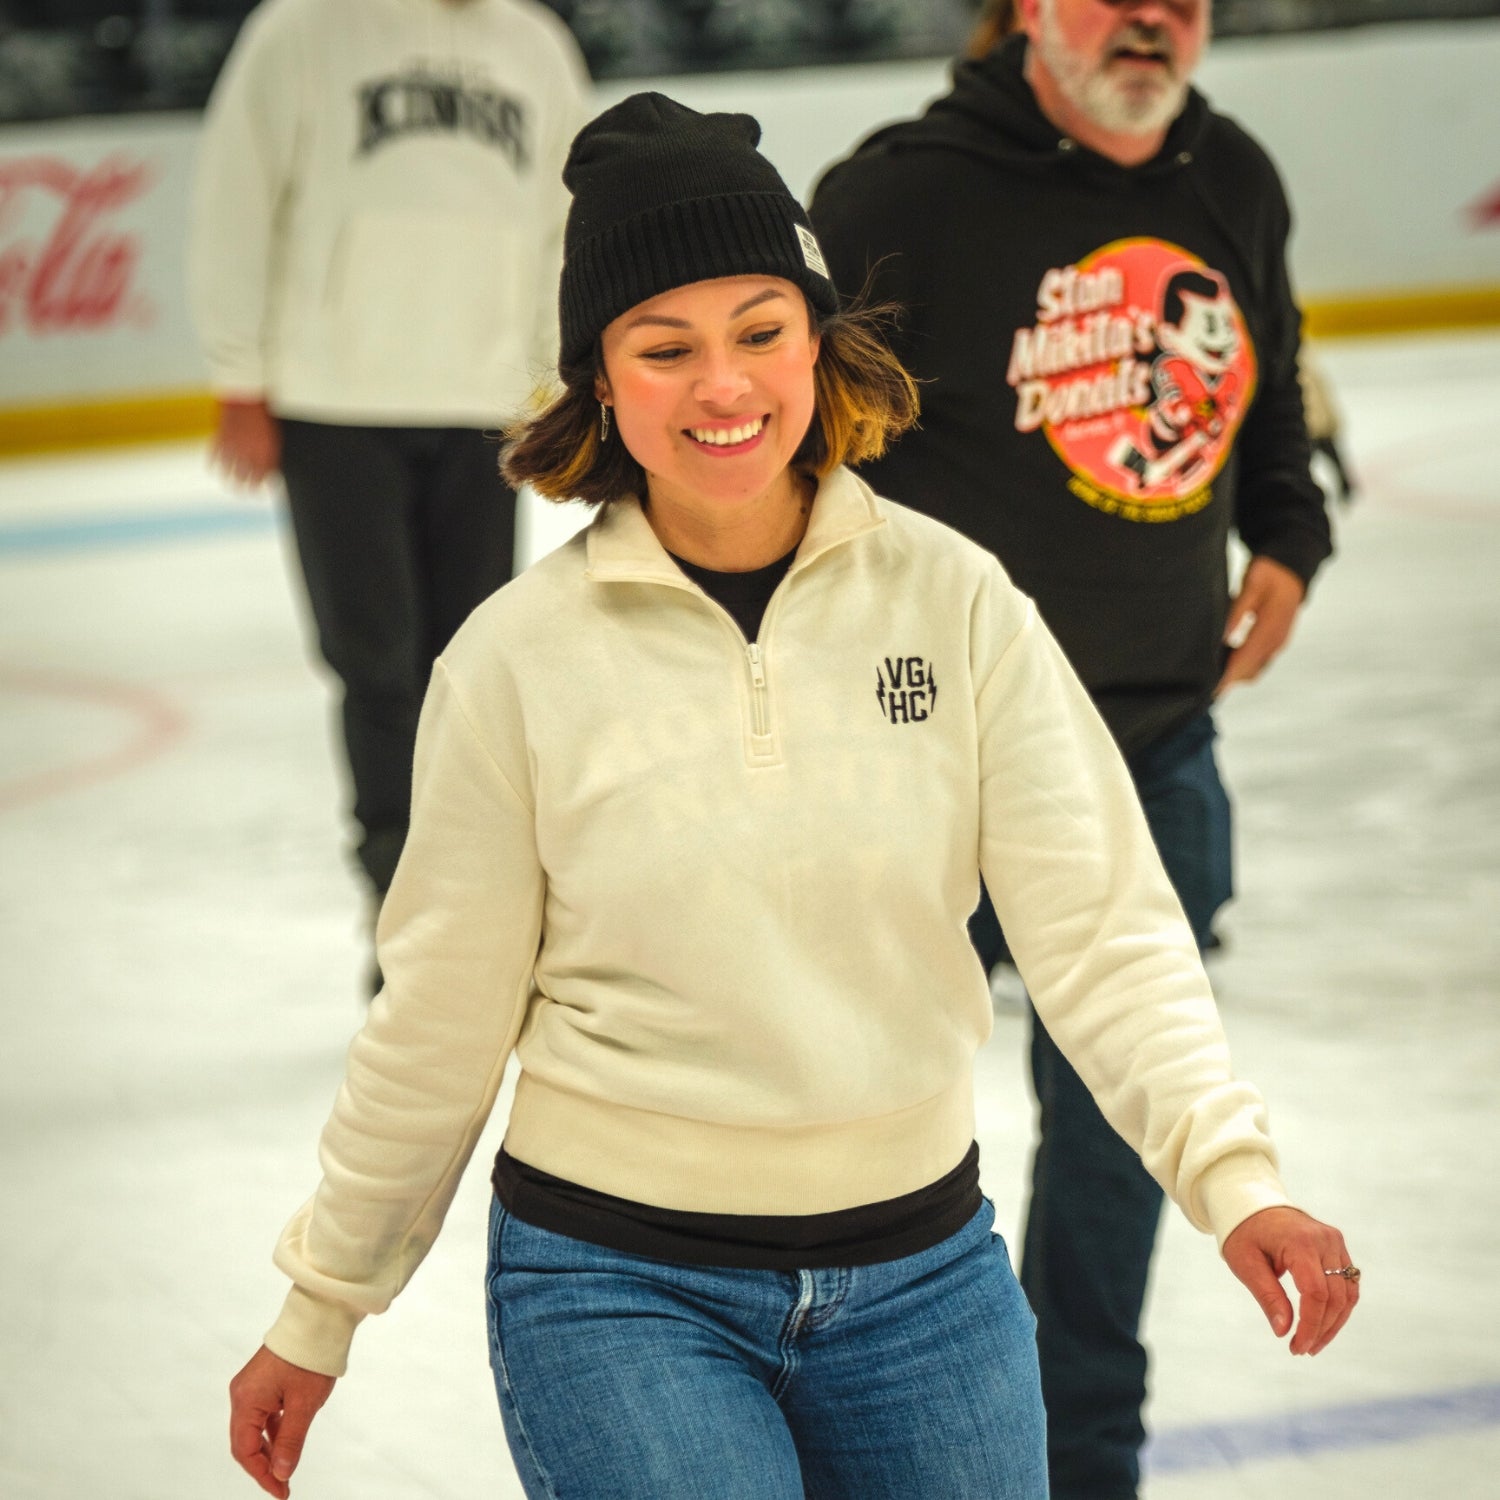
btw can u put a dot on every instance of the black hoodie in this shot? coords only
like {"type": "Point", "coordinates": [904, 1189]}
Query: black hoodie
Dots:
{"type": "Point", "coordinates": [1110, 364]}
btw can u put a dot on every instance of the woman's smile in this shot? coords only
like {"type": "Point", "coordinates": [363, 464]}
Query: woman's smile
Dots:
{"type": "Point", "coordinates": [728, 440]}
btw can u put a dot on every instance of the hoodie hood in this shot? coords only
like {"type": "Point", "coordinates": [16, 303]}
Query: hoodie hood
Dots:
{"type": "Point", "coordinates": [992, 113]}
{"type": "Point", "coordinates": [1100, 457]}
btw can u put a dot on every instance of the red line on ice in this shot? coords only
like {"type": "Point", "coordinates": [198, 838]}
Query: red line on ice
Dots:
{"type": "Point", "coordinates": [159, 723]}
{"type": "Point", "coordinates": [1388, 478]}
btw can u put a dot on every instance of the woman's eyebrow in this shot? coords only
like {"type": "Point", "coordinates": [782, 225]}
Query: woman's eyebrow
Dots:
{"type": "Point", "coordinates": [757, 299]}
{"type": "Point", "coordinates": [656, 320]}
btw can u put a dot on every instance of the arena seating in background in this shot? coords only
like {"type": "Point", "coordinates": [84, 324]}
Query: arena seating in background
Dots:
{"type": "Point", "coordinates": [65, 58]}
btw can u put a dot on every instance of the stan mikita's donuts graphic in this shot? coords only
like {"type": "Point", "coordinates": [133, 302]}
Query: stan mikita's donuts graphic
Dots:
{"type": "Point", "coordinates": [1138, 371]}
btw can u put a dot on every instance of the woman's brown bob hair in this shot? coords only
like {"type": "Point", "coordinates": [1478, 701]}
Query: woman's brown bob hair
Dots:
{"type": "Point", "coordinates": [863, 398]}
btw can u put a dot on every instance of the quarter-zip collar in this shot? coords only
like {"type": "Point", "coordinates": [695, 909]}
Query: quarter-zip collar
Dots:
{"type": "Point", "coordinates": [621, 547]}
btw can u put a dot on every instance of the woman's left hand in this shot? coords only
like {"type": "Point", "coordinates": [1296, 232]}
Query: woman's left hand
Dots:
{"type": "Point", "coordinates": [1281, 1241]}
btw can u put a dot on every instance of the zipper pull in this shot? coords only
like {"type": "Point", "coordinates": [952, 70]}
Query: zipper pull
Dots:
{"type": "Point", "coordinates": [757, 673]}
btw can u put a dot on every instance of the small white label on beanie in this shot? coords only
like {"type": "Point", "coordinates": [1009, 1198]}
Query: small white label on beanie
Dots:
{"type": "Point", "coordinates": [812, 255]}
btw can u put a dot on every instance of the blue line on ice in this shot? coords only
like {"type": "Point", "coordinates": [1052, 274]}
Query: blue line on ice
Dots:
{"type": "Point", "coordinates": [1329, 1429]}
{"type": "Point", "coordinates": [83, 533]}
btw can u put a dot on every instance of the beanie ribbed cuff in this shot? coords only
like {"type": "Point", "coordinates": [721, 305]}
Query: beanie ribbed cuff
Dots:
{"type": "Point", "coordinates": [740, 234]}
{"type": "Point", "coordinates": [663, 197]}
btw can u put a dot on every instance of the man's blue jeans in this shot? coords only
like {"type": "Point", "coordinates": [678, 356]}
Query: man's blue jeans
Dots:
{"type": "Point", "coordinates": [622, 1378]}
{"type": "Point", "coordinates": [1092, 1220]}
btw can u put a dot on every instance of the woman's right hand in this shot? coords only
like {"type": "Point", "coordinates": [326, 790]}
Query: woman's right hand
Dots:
{"type": "Point", "coordinates": [271, 1405]}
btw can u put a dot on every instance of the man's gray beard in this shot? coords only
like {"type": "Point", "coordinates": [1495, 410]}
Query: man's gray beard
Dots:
{"type": "Point", "coordinates": [1109, 103]}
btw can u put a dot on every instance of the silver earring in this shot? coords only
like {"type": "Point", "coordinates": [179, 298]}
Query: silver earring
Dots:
{"type": "Point", "coordinates": [603, 423]}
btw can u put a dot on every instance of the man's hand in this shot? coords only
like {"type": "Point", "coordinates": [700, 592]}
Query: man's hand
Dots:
{"type": "Point", "coordinates": [1260, 620]}
{"type": "Point", "coordinates": [271, 1405]}
{"type": "Point", "coordinates": [246, 446]}
{"type": "Point", "coordinates": [1278, 1242]}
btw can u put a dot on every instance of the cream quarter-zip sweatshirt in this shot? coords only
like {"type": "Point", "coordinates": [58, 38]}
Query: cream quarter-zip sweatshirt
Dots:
{"type": "Point", "coordinates": [715, 896]}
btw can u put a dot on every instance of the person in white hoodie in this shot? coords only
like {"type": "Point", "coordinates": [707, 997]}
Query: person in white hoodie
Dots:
{"type": "Point", "coordinates": [701, 805]}
{"type": "Point", "coordinates": [375, 242]}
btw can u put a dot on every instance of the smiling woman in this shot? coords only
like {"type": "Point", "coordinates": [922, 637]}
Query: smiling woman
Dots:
{"type": "Point", "coordinates": [703, 337]}
{"type": "Point", "coordinates": [701, 804]}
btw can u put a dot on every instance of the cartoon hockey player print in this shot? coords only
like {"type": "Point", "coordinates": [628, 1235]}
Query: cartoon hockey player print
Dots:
{"type": "Point", "coordinates": [1198, 391]}
{"type": "Point", "coordinates": [1137, 367]}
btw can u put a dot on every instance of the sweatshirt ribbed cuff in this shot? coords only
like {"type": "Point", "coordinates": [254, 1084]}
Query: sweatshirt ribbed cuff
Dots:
{"type": "Point", "coordinates": [1232, 1189]}
{"type": "Point", "coordinates": [236, 376]}
{"type": "Point", "coordinates": [1303, 553]}
{"type": "Point", "coordinates": [313, 1333]}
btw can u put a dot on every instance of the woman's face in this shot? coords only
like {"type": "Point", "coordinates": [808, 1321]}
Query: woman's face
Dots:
{"type": "Point", "coordinates": [712, 390]}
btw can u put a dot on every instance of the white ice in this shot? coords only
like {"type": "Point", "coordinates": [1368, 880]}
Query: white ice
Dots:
{"type": "Point", "coordinates": [182, 943]}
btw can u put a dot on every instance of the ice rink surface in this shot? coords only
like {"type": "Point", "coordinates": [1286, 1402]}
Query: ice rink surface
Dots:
{"type": "Point", "coordinates": [181, 945]}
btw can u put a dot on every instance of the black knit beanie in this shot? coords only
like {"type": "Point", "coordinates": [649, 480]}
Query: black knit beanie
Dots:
{"type": "Point", "coordinates": [664, 196]}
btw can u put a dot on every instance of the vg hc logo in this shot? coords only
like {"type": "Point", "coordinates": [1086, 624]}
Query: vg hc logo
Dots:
{"type": "Point", "coordinates": [906, 689]}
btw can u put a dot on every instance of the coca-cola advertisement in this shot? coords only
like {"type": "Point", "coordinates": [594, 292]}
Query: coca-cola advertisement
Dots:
{"type": "Point", "coordinates": [91, 295]}
{"type": "Point", "coordinates": [78, 271]}
{"type": "Point", "coordinates": [1484, 213]}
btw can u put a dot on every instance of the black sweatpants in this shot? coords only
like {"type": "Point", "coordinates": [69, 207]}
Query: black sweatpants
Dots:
{"type": "Point", "coordinates": [401, 532]}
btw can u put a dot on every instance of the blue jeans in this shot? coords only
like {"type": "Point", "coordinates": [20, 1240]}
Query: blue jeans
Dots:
{"type": "Point", "coordinates": [622, 1378]}
{"type": "Point", "coordinates": [1091, 1224]}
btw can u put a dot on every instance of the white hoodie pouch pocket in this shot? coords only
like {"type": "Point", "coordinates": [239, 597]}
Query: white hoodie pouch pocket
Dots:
{"type": "Point", "coordinates": [431, 310]}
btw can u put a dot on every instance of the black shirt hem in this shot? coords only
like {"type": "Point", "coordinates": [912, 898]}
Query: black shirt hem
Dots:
{"type": "Point", "coordinates": [868, 1234]}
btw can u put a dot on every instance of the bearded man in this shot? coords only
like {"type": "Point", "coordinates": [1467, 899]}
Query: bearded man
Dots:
{"type": "Point", "coordinates": [1093, 267]}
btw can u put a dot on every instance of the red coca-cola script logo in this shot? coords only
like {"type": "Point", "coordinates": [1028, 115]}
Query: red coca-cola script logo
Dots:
{"type": "Point", "coordinates": [74, 273]}
{"type": "Point", "coordinates": [1485, 212]}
